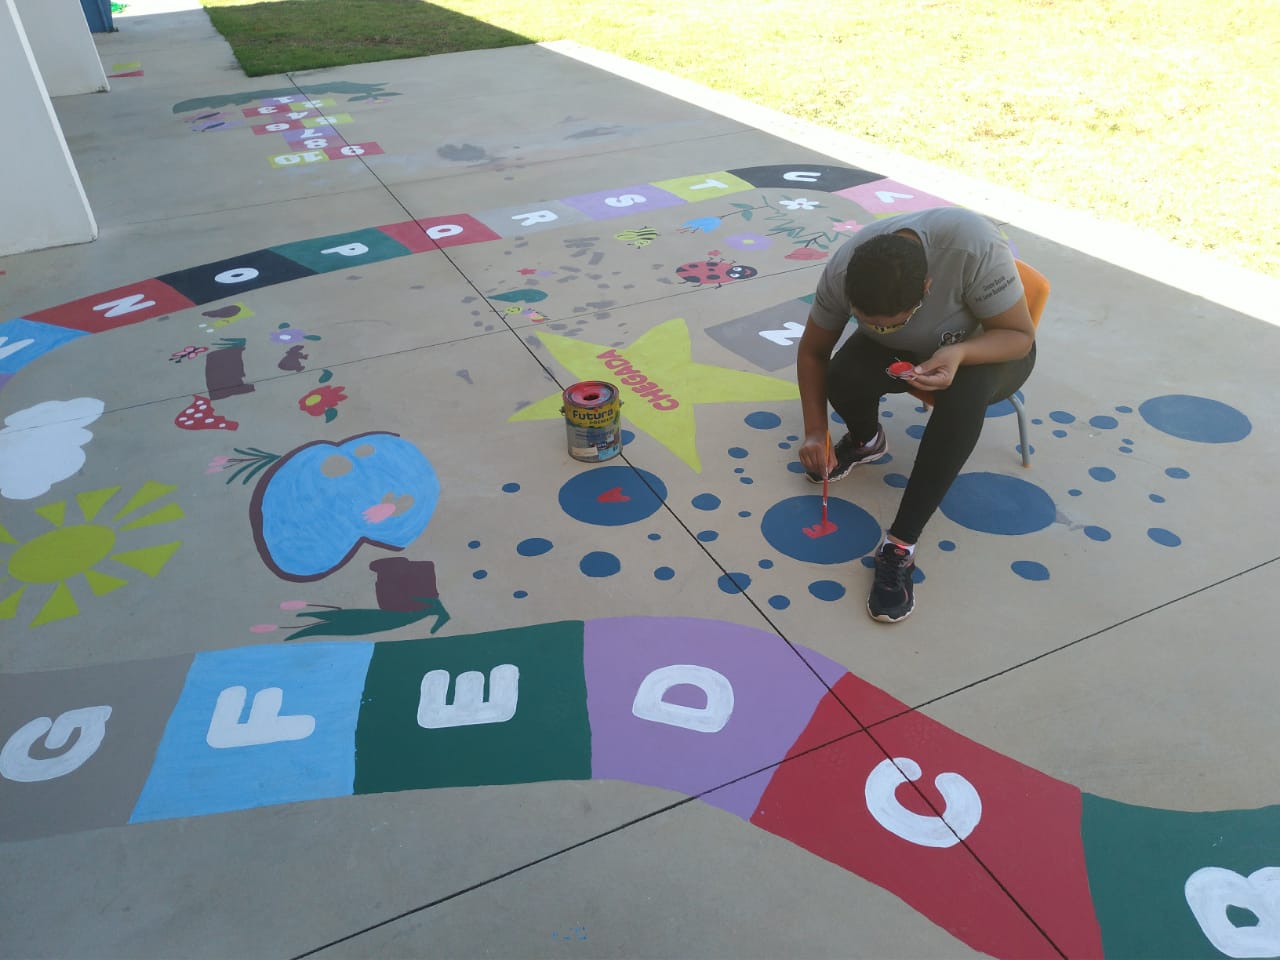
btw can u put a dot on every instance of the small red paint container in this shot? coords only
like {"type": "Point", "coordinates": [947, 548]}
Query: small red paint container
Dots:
{"type": "Point", "coordinates": [902, 370]}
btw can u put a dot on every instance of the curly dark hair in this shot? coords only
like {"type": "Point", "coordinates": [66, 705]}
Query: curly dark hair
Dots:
{"type": "Point", "coordinates": [886, 275]}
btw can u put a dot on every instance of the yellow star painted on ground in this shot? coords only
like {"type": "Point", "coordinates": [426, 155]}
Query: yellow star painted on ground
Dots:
{"type": "Point", "coordinates": [665, 358]}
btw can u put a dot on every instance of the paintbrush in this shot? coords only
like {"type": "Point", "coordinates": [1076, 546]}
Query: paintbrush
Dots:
{"type": "Point", "coordinates": [826, 475]}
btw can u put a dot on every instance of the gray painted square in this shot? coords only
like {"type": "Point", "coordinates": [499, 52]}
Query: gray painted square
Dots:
{"type": "Point", "coordinates": [766, 338]}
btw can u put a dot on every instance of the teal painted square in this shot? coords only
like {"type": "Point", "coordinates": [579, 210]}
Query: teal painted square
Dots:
{"type": "Point", "coordinates": [548, 737]}
{"type": "Point", "coordinates": [310, 253]}
{"type": "Point", "coordinates": [1139, 859]}
{"type": "Point", "coordinates": [319, 680]}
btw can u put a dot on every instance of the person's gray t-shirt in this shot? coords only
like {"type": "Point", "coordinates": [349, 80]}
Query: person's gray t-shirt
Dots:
{"type": "Point", "coordinates": [972, 268]}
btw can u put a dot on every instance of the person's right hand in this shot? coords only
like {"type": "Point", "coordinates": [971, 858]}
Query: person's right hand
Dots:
{"type": "Point", "coordinates": [813, 455]}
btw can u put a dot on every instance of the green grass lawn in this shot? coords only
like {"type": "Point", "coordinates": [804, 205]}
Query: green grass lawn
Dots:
{"type": "Point", "coordinates": [1162, 115]}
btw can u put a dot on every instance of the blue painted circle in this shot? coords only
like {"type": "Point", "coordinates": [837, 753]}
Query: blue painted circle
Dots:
{"type": "Point", "coordinates": [733, 582]}
{"type": "Point", "coordinates": [762, 420]}
{"type": "Point", "coordinates": [1126, 441]}
{"type": "Point", "coordinates": [1124, 409]}
{"type": "Point", "coordinates": [1155, 498]}
{"type": "Point", "coordinates": [533, 547]}
{"type": "Point", "coordinates": [1104, 423]}
{"type": "Point", "coordinates": [744, 513]}
{"type": "Point", "coordinates": [917, 575]}
{"type": "Point", "coordinates": [946, 545]}
{"type": "Point", "coordinates": [739, 469]}
{"type": "Point", "coordinates": [655, 536]}
{"type": "Point", "coordinates": [1030, 570]}
{"type": "Point", "coordinates": [1061, 416]}
{"type": "Point", "coordinates": [1097, 533]}
{"type": "Point", "coordinates": [1073, 493]}
{"type": "Point", "coordinates": [706, 536]}
{"type": "Point", "coordinates": [994, 503]}
{"type": "Point", "coordinates": [1195, 418]}
{"type": "Point", "coordinates": [628, 496]}
{"type": "Point", "coordinates": [745, 480]}
{"type": "Point", "coordinates": [915, 431]}
{"type": "Point", "coordinates": [510, 487]}
{"type": "Point", "coordinates": [627, 437]}
{"type": "Point", "coordinates": [1037, 421]}
{"type": "Point", "coordinates": [827, 589]}
{"type": "Point", "coordinates": [897, 480]}
{"type": "Point", "coordinates": [784, 523]}
{"type": "Point", "coordinates": [793, 438]}
{"type": "Point", "coordinates": [887, 414]}
{"type": "Point", "coordinates": [1002, 408]}
{"type": "Point", "coordinates": [738, 453]}
{"type": "Point", "coordinates": [779, 602]}
{"type": "Point", "coordinates": [1126, 449]}
{"type": "Point", "coordinates": [836, 418]}
{"type": "Point", "coordinates": [1059, 433]}
{"type": "Point", "coordinates": [1164, 537]}
{"type": "Point", "coordinates": [520, 594]}
{"type": "Point", "coordinates": [795, 466]}
{"type": "Point", "coordinates": [766, 564]}
{"type": "Point", "coordinates": [473, 544]}
{"type": "Point", "coordinates": [784, 446]}
{"type": "Point", "coordinates": [1102, 474]}
{"type": "Point", "coordinates": [869, 562]}
{"type": "Point", "coordinates": [706, 501]}
{"type": "Point", "coordinates": [921, 409]}
{"type": "Point", "coordinates": [599, 563]}
{"type": "Point", "coordinates": [664, 573]}
{"type": "Point", "coordinates": [1177, 473]}
{"type": "Point", "coordinates": [480, 574]}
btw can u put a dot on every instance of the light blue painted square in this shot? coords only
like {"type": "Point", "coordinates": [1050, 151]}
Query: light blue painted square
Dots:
{"type": "Point", "coordinates": [43, 336]}
{"type": "Point", "coordinates": [321, 680]}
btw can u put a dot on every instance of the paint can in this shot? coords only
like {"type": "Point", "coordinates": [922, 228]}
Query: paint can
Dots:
{"type": "Point", "coordinates": [592, 418]}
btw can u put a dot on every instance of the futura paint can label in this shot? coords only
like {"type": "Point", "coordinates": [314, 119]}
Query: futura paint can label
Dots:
{"type": "Point", "coordinates": [592, 418]}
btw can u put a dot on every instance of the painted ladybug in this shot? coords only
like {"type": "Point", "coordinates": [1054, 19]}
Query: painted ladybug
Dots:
{"type": "Point", "coordinates": [718, 272]}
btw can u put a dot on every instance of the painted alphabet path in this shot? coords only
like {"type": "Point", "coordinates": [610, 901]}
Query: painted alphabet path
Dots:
{"type": "Point", "coordinates": [682, 704]}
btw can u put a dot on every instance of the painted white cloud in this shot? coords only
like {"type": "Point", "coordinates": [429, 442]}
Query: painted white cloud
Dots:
{"type": "Point", "coordinates": [41, 445]}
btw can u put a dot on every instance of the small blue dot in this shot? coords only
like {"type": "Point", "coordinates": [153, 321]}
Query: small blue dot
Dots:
{"type": "Point", "coordinates": [627, 437]}
{"type": "Point", "coordinates": [533, 547]}
{"type": "Point", "coordinates": [915, 431]}
{"type": "Point", "coordinates": [733, 582]}
{"type": "Point", "coordinates": [510, 487]}
{"type": "Point", "coordinates": [897, 480]}
{"type": "Point", "coordinates": [1061, 416]}
{"type": "Point", "coordinates": [1059, 433]}
{"type": "Point", "coordinates": [1123, 409]}
{"type": "Point", "coordinates": [1097, 533]}
{"type": "Point", "coordinates": [1126, 449]}
{"type": "Point", "coordinates": [1126, 441]}
{"type": "Point", "coordinates": [869, 562]}
{"type": "Point", "coordinates": [706, 536]}
{"type": "Point", "coordinates": [793, 438]}
{"type": "Point", "coordinates": [917, 575]}
{"type": "Point", "coordinates": [480, 574]}
{"type": "Point", "coordinates": [766, 564]}
{"type": "Point", "coordinates": [1030, 570]}
{"type": "Point", "coordinates": [598, 563]}
{"type": "Point", "coordinates": [738, 453]}
{"type": "Point", "coordinates": [922, 409]}
{"type": "Point", "coordinates": [655, 536]}
{"type": "Point", "coordinates": [745, 480]}
{"type": "Point", "coordinates": [744, 513]}
{"type": "Point", "coordinates": [827, 589]}
{"type": "Point", "coordinates": [1017, 448]}
{"type": "Point", "coordinates": [706, 501]}
{"type": "Point", "coordinates": [739, 469]}
{"type": "Point", "coordinates": [664, 573]}
{"type": "Point", "coordinates": [946, 545]}
{"type": "Point", "coordinates": [1155, 498]}
{"type": "Point", "coordinates": [1102, 474]}
{"type": "Point", "coordinates": [1037, 421]}
{"type": "Point", "coordinates": [762, 420]}
{"type": "Point", "coordinates": [837, 418]}
{"type": "Point", "coordinates": [520, 594]}
{"type": "Point", "coordinates": [1177, 473]}
{"type": "Point", "coordinates": [779, 602]}
{"type": "Point", "coordinates": [886, 414]}
{"type": "Point", "coordinates": [795, 466]}
{"type": "Point", "coordinates": [1164, 537]}
{"type": "Point", "coordinates": [473, 544]}
{"type": "Point", "coordinates": [887, 458]}
{"type": "Point", "coordinates": [1073, 493]}
{"type": "Point", "coordinates": [784, 446]}
{"type": "Point", "coordinates": [1104, 423]}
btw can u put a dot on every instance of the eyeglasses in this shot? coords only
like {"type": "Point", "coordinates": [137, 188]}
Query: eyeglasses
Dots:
{"type": "Point", "coordinates": [890, 328]}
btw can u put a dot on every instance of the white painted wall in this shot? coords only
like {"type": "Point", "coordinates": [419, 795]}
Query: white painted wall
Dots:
{"type": "Point", "coordinates": [42, 203]}
{"type": "Point", "coordinates": [65, 52]}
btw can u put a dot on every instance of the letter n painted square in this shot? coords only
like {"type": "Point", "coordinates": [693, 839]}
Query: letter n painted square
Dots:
{"type": "Point", "coordinates": [115, 308]}
{"type": "Point", "coordinates": [502, 707]}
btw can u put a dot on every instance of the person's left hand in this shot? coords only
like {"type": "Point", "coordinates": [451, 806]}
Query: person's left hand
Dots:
{"type": "Point", "coordinates": [939, 370]}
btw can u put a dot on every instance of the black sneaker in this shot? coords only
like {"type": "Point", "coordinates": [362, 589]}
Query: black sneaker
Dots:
{"type": "Point", "coordinates": [849, 455]}
{"type": "Point", "coordinates": [892, 595]}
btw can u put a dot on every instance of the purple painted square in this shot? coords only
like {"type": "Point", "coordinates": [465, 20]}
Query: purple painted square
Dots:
{"type": "Point", "coordinates": [624, 202]}
{"type": "Point", "coordinates": [774, 697]}
{"type": "Point", "coordinates": [295, 137]}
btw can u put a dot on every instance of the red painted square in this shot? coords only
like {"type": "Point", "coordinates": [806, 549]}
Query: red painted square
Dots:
{"type": "Point", "coordinates": [115, 308]}
{"type": "Point", "coordinates": [819, 802]}
{"type": "Point", "coordinates": [353, 150]}
{"type": "Point", "coordinates": [435, 232]}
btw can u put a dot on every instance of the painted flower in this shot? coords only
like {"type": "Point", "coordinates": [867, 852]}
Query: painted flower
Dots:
{"type": "Point", "coordinates": [748, 241]}
{"type": "Point", "coordinates": [217, 464]}
{"type": "Point", "coordinates": [700, 225]}
{"type": "Point", "coordinates": [801, 204]}
{"type": "Point", "coordinates": [317, 401]}
{"type": "Point", "coordinates": [288, 335]}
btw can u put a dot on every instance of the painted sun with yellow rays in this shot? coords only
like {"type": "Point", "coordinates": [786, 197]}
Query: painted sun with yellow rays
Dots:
{"type": "Point", "coordinates": [70, 550]}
